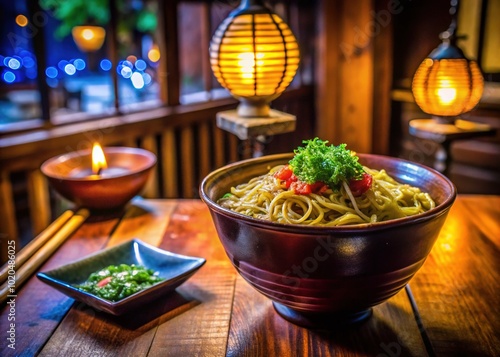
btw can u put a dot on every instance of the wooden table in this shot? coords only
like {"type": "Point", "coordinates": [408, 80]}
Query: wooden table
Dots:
{"type": "Point", "coordinates": [452, 307]}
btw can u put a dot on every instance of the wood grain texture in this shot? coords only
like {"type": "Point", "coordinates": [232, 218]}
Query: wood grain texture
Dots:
{"type": "Point", "coordinates": [145, 220]}
{"type": "Point", "coordinates": [201, 330]}
{"type": "Point", "coordinates": [204, 150]}
{"type": "Point", "coordinates": [192, 321]}
{"type": "Point", "coordinates": [257, 330]}
{"type": "Point", "coordinates": [187, 167]}
{"type": "Point", "coordinates": [457, 288]}
{"type": "Point", "coordinates": [39, 202]}
{"type": "Point", "coordinates": [356, 76]}
{"type": "Point", "coordinates": [36, 243]}
{"type": "Point", "coordinates": [382, 77]}
{"type": "Point", "coordinates": [169, 163]}
{"type": "Point", "coordinates": [326, 73]}
{"type": "Point", "coordinates": [96, 333]}
{"type": "Point", "coordinates": [218, 146]}
{"type": "Point", "coordinates": [8, 230]}
{"type": "Point", "coordinates": [217, 313]}
{"type": "Point", "coordinates": [26, 270]}
{"type": "Point", "coordinates": [40, 308]}
{"type": "Point", "coordinates": [152, 188]}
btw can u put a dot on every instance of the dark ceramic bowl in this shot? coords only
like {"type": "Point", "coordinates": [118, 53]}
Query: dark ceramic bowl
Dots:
{"type": "Point", "coordinates": [127, 173]}
{"type": "Point", "coordinates": [325, 276]}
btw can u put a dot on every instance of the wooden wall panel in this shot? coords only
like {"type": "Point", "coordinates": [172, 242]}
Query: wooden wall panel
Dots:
{"type": "Point", "coordinates": [8, 229]}
{"type": "Point", "coordinates": [327, 74]}
{"type": "Point", "coordinates": [187, 158]}
{"type": "Point", "coordinates": [353, 74]}
{"type": "Point", "coordinates": [39, 202]}
{"type": "Point", "coordinates": [169, 164]}
{"type": "Point", "coordinates": [152, 186]}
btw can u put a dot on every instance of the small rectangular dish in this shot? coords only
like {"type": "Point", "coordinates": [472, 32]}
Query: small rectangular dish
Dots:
{"type": "Point", "coordinates": [174, 268]}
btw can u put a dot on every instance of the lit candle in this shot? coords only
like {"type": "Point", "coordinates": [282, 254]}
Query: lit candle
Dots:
{"type": "Point", "coordinates": [99, 167]}
{"type": "Point", "coordinates": [98, 159]}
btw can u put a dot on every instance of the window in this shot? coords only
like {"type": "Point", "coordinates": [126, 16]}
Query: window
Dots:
{"type": "Point", "coordinates": [68, 61]}
{"type": "Point", "coordinates": [19, 95]}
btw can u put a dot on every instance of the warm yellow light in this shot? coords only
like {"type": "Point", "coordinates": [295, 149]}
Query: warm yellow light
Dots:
{"type": "Point", "coordinates": [21, 20]}
{"type": "Point", "coordinates": [88, 38]}
{"type": "Point", "coordinates": [255, 56]}
{"type": "Point", "coordinates": [447, 87]}
{"type": "Point", "coordinates": [446, 93]}
{"type": "Point", "coordinates": [249, 65]}
{"type": "Point", "coordinates": [154, 54]}
{"type": "Point", "coordinates": [88, 34]}
{"type": "Point", "coordinates": [98, 159]}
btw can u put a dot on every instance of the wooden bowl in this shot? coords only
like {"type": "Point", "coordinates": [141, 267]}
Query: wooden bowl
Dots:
{"type": "Point", "coordinates": [129, 169]}
{"type": "Point", "coordinates": [320, 277]}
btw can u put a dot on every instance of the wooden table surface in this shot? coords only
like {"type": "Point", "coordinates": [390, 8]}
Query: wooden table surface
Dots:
{"type": "Point", "coordinates": [450, 308]}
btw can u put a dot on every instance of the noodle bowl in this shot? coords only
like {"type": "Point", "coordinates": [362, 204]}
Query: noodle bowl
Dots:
{"type": "Point", "coordinates": [265, 197]}
{"type": "Point", "coordinates": [323, 275]}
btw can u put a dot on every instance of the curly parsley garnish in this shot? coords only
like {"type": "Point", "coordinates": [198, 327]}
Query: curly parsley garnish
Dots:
{"type": "Point", "coordinates": [330, 164]}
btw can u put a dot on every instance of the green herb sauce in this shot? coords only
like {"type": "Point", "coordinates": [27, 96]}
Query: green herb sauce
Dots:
{"type": "Point", "coordinates": [119, 281]}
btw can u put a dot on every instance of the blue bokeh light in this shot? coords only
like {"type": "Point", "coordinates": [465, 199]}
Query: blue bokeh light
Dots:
{"type": "Point", "coordinates": [14, 63]}
{"type": "Point", "coordinates": [137, 80]}
{"type": "Point", "coordinates": [9, 77]}
{"type": "Point", "coordinates": [62, 64]}
{"type": "Point", "coordinates": [51, 72]}
{"type": "Point", "coordinates": [147, 78]}
{"type": "Point", "coordinates": [79, 64]}
{"type": "Point", "coordinates": [28, 62]}
{"type": "Point", "coordinates": [126, 72]}
{"type": "Point", "coordinates": [140, 65]}
{"type": "Point", "coordinates": [69, 69]}
{"type": "Point", "coordinates": [106, 64]}
{"type": "Point", "coordinates": [127, 64]}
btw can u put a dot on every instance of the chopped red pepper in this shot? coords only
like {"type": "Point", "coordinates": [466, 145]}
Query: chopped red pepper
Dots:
{"type": "Point", "coordinates": [299, 187]}
{"type": "Point", "coordinates": [358, 187]}
{"type": "Point", "coordinates": [284, 173]}
{"type": "Point", "coordinates": [104, 282]}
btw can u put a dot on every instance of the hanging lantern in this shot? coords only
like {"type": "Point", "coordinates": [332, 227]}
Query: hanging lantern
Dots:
{"type": "Point", "coordinates": [255, 56]}
{"type": "Point", "coordinates": [446, 83]}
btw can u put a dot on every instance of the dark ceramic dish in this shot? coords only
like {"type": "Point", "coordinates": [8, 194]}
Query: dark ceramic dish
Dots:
{"type": "Point", "coordinates": [100, 193]}
{"type": "Point", "coordinates": [325, 276]}
{"type": "Point", "coordinates": [174, 268]}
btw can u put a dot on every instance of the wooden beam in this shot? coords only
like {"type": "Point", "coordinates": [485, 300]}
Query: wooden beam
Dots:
{"type": "Point", "coordinates": [169, 69]}
{"type": "Point", "coordinates": [354, 73]}
{"type": "Point", "coordinates": [327, 76]}
{"type": "Point", "coordinates": [382, 78]}
{"type": "Point", "coordinates": [8, 228]}
{"type": "Point", "coordinates": [39, 202]}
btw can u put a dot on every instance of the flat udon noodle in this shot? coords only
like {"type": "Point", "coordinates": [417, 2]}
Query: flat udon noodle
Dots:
{"type": "Point", "coordinates": [265, 197]}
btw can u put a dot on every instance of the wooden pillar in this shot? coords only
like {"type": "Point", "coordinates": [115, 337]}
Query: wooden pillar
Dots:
{"type": "Point", "coordinates": [353, 85]}
{"type": "Point", "coordinates": [169, 68]}
{"type": "Point", "coordinates": [8, 228]}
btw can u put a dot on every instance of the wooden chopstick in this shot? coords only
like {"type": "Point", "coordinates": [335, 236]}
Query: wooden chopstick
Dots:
{"type": "Point", "coordinates": [43, 253]}
{"type": "Point", "coordinates": [33, 246]}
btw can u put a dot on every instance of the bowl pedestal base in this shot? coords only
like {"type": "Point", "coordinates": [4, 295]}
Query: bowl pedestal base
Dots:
{"type": "Point", "coordinates": [321, 320]}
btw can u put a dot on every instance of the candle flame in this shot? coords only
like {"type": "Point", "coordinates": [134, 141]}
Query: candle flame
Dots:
{"type": "Point", "coordinates": [98, 159]}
